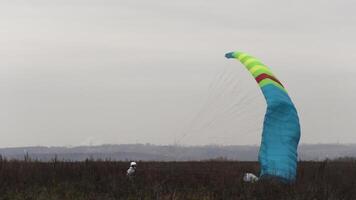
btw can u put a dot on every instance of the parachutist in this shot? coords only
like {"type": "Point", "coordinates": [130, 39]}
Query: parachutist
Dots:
{"type": "Point", "coordinates": [132, 170]}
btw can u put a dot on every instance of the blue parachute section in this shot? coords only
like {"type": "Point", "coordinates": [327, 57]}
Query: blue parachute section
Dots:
{"type": "Point", "coordinates": [280, 137]}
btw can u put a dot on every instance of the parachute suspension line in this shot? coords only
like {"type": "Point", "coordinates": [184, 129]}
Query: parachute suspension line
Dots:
{"type": "Point", "coordinates": [215, 85]}
{"type": "Point", "coordinates": [213, 91]}
{"type": "Point", "coordinates": [215, 118]}
{"type": "Point", "coordinates": [231, 113]}
{"type": "Point", "coordinates": [217, 111]}
{"type": "Point", "coordinates": [224, 110]}
{"type": "Point", "coordinates": [225, 83]}
{"type": "Point", "coordinates": [216, 105]}
{"type": "Point", "coordinates": [218, 92]}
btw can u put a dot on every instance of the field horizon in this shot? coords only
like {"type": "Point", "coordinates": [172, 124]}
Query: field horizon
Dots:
{"type": "Point", "coordinates": [151, 152]}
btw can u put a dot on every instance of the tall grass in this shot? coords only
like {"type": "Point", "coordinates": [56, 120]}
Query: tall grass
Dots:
{"type": "Point", "coordinates": [106, 180]}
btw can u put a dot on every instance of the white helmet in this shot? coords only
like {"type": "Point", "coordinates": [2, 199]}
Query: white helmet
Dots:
{"type": "Point", "coordinates": [133, 164]}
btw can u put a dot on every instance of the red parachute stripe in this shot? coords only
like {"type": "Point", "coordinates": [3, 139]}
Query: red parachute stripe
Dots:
{"type": "Point", "coordinates": [260, 77]}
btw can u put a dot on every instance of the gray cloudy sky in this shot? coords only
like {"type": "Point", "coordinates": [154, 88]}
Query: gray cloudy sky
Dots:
{"type": "Point", "coordinates": [76, 72]}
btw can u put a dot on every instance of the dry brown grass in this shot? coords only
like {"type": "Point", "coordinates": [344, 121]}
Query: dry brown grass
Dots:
{"type": "Point", "coordinates": [106, 180]}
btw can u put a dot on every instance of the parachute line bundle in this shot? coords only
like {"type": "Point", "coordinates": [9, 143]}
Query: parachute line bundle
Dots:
{"type": "Point", "coordinates": [281, 130]}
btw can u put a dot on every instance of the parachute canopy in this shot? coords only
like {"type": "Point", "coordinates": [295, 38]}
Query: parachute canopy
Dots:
{"type": "Point", "coordinates": [281, 129]}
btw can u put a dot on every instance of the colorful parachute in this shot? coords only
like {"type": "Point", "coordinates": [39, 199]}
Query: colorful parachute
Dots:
{"type": "Point", "coordinates": [281, 129]}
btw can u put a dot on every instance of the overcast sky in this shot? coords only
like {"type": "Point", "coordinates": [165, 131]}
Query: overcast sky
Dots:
{"type": "Point", "coordinates": [79, 72]}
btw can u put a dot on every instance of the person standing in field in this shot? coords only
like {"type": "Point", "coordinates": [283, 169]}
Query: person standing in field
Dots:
{"type": "Point", "coordinates": [132, 170]}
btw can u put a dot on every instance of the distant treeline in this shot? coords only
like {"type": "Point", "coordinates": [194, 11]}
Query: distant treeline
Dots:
{"type": "Point", "coordinates": [149, 152]}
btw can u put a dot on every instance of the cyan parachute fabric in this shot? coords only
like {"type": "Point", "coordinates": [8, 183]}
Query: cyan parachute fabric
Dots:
{"type": "Point", "coordinates": [281, 129]}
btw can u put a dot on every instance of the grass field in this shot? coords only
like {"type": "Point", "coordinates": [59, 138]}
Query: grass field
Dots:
{"type": "Point", "coordinates": [106, 180]}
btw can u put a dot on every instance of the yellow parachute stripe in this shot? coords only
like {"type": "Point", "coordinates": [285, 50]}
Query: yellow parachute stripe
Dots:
{"type": "Point", "coordinates": [259, 72]}
{"type": "Point", "coordinates": [241, 56]}
{"type": "Point", "coordinates": [247, 62]}
{"type": "Point", "coordinates": [259, 67]}
{"type": "Point", "coordinates": [252, 64]}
